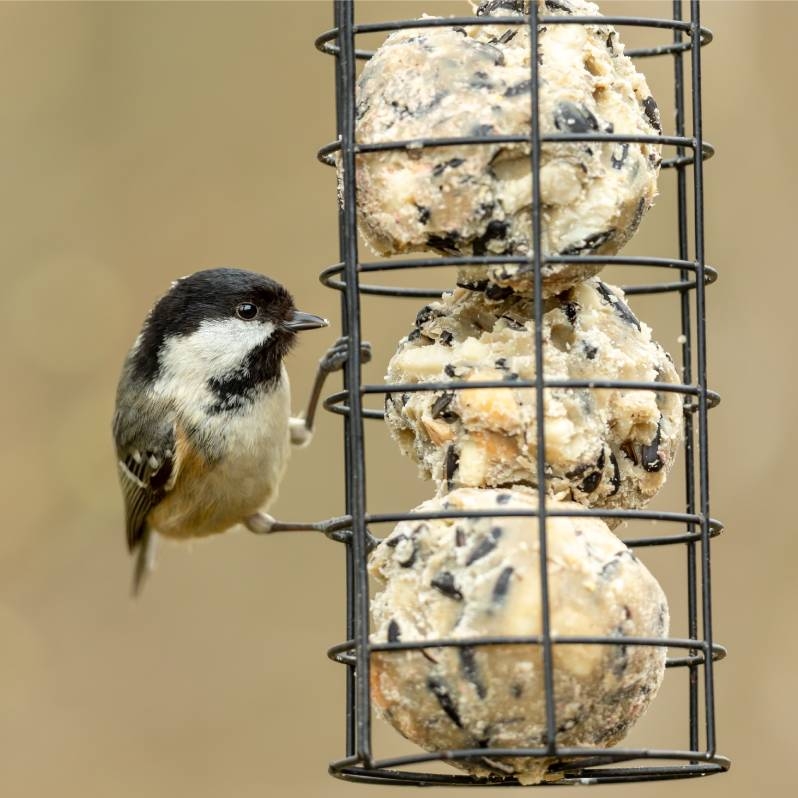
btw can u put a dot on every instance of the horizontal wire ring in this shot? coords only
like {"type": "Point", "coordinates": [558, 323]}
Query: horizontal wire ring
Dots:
{"type": "Point", "coordinates": [324, 43]}
{"type": "Point", "coordinates": [329, 278]}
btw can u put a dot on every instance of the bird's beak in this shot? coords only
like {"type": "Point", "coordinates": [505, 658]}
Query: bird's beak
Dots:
{"type": "Point", "coordinates": [304, 321]}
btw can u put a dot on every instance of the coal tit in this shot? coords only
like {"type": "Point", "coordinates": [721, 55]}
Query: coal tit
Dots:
{"type": "Point", "coordinates": [202, 422]}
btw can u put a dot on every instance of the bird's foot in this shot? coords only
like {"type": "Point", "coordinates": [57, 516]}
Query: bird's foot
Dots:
{"type": "Point", "coordinates": [338, 353]}
{"type": "Point", "coordinates": [301, 428]}
{"type": "Point", "coordinates": [260, 523]}
{"type": "Point", "coordinates": [301, 435]}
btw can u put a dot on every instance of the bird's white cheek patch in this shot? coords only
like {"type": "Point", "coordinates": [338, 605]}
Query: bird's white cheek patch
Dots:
{"type": "Point", "coordinates": [215, 349]}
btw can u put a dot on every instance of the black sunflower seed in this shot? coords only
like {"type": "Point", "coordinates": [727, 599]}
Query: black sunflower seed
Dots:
{"type": "Point", "coordinates": [574, 118]}
{"type": "Point", "coordinates": [452, 163]}
{"type": "Point", "coordinates": [615, 479]}
{"type": "Point", "coordinates": [617, 304]}
{"type": "Point", "coordinates": [479, 285]}
{"type": "Point", "coordinates": [495, 230]}
{"type": "Point", "coordinates": [628, 449]}
{"type": "Point", "coordinates": [452, 462]}
{"type": "Point", "coordinates": [427, 314]}
{"type": "Point", "coordinates": [438, 689]}
{"type": "Point", "coordinates": [444, 582]}
{"type": "Point", "coordinates": [440, 407]}
{"type": "Point", "coordinates": [470, 668]}
{"type": "Point", "coordinates": [514, 323]}
{"type": "Point", "coordinates": [559, 5]}
{"type": "Point", "coordinates": [649, 454]}
{"type": "Point", "coordinates": [508, 35]}
{"type": "Point", "coordinates": [498, 292]}
{"type": "Point", "coordinates": [617, 163]}
{"type": "Point", "coordinates": [520, 88]}
{"type": "Point", "coordinates": [447, 244]}
{"type": "Point", "coordinates": [410, 561]}
{"type": "Point", "coordinates": [652, 113]}
{"type": "Point", "coordinates": [621, 656]}
{"type": "Point", "coordinates": [590, 482]}
{"type": "Point", "coordinates": [590, 244]}
{"type": "Point", "coordinates": [485, 546]}
{"type": "Point", "coordinates": [487, 7]}
{"type": "Point", "coordinates": [502, 585]}
{"type": "Point", "coordinates": [571, 310]}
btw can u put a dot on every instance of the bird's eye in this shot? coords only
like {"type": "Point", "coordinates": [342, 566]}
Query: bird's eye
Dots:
{"type": "Point", "coordinates": [247, 311]}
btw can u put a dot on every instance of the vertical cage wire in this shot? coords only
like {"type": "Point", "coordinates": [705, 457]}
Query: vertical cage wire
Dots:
{"type": "Point", "coordinates": [585, 766]}
{"type": "Point", "coordinates": [687, 372]}
{"type": "Point", "coordinates": [540, 419]}
{"type": "Point", "coordinates": [701, 340]}
{"type": "Point", "coordinates": [356, 471]}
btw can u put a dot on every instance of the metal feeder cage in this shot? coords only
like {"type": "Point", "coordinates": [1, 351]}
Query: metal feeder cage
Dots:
{"type": "Point", "coordinates": [690, 527]}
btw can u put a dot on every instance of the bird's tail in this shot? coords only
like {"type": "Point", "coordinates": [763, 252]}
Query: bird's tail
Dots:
{"type": "Point", "coordinates": [145, 559]}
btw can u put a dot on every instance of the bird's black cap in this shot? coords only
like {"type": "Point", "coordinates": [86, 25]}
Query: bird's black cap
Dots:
{"type": "Point", "coordinates": [209, 295]}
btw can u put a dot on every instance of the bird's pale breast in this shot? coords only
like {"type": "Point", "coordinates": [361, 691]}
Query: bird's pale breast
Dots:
{"type": "Point", "coordinates": [211, 495]}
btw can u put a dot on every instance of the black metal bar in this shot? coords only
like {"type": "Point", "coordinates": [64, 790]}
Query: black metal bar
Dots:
{"type": "Point", "coordinates": [537, 262]}
{"type": "Point", "coordinates": [540, 640]}
{"type": "Point", "coordinates": [387, 776]}
{"type": "Point", "coordinates": [384, 772]}
{"type": "Point", "coordinates": [687, 376]}
{"type": "Point", "coordinates": [340, 105]}
{"type": "Point", "coordinates": [441, 22]}
{"type": "Point", "coordinates": [684, 284]}
{"type": "Point", "coordinates": [340, 651]}
{"type": "Point", "coordinates": [334, 402]}
{"type": "Point", "coordinates": [460, 385]}
{"type": "Point", "coordinates": [608, 755]}
{"type": "Point", "coordinates": [324, 42]}
{"type": "Point", "coordinates": [500, 512]}
{"type": "Point", "coordinates": [701, 367]}
{"type": "Point", "coordinates": [325, 153]}
{"type": "Point", "coordinates": [689, 661]}
{"type": "Point", "coordinates": [487, 260]}
{"type": "Point", "coordinates": [356, 472]}
{"type": "Point", "coordinates": [707, 150]}
{"type": "Point", "coordinates": [428, 293]}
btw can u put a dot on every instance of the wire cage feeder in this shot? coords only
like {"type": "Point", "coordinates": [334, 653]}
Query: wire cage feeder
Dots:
{"type": "Point", "coordinates": [690, 527]}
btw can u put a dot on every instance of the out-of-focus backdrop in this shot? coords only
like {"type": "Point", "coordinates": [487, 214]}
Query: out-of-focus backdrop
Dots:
{"type": "Point", "coordinates": [140, 142]}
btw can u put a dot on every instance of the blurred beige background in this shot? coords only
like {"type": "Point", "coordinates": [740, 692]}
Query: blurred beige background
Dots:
{"type": "Point", "coordinates": [139, 142]}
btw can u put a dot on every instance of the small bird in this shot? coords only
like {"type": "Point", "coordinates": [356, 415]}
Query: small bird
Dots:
{"type": "Point", "coordinates": [202, 422]}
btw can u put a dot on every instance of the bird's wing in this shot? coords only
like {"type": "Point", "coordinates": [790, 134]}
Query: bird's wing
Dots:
{"type": "Point", "coordinates": [146, 475]}
{"type": "Point", "coordinates": [148, 463]}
